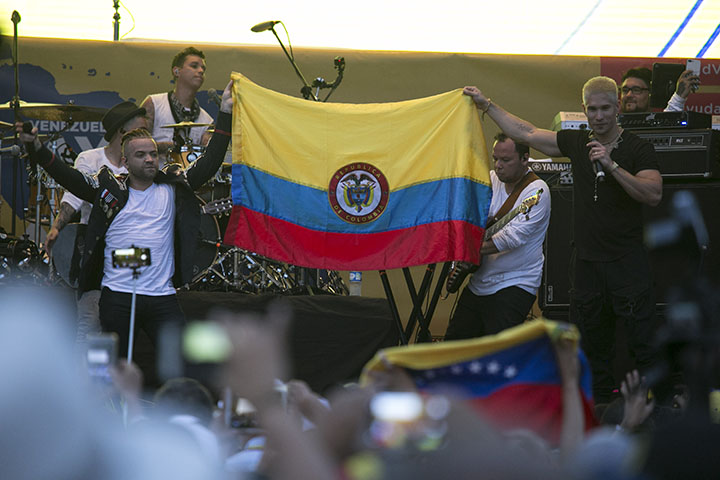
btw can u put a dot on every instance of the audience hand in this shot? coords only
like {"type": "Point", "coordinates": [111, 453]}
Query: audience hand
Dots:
{"type": "Point", "coordinates": [637, 407]}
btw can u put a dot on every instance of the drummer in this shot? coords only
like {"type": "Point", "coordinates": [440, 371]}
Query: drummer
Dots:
{"type": "Point", "coordinates": [120, 119]}
{"type": "Point", "coordinates": [180, 105]}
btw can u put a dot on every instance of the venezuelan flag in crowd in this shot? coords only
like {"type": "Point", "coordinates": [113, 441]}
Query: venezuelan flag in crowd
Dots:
{"type": "Point", "coordinates": [357, 187]}
{"type": "Point", "coordinates": [511, 377]}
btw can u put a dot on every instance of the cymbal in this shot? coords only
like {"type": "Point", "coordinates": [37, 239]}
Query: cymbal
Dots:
{"type": "Point", "coordinates": [42, 137]}
{"type": "Point", "coordinates": [187, 125]}
{"type": "Point", "coordinates": [58, 112]}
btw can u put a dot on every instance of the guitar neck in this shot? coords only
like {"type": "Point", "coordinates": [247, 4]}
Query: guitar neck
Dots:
{"type": "Point", "coordinates": [497, 226]}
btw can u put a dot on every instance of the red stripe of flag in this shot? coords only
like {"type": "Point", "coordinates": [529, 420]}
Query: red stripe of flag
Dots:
{"type": "Point", "coordinates": [530, 406]}
{"type": "Point", "coordinates": [290, 243]}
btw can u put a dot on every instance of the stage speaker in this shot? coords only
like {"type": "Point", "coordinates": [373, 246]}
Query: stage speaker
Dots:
{"type": "Point", "coordinates": [554, 293]}
{"type": "Point", "coordinates": [554, 290]}
{"type": "Point", "coordinates": [687, 154]}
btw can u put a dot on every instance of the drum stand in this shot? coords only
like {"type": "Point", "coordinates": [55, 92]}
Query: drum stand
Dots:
{"type": "Point", "coordinates": [260, 277]}
{"type": "Point", "coordinates": [50, 185]}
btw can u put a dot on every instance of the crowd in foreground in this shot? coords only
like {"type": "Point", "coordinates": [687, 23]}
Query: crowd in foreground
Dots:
{"type": "Point", "coordinates": [58, 424]}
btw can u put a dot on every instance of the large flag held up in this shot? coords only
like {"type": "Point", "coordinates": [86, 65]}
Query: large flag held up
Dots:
{"type": "Point", "coordinates": [357, 187]}
{"type": "Point", "coordinates": [512, 377]}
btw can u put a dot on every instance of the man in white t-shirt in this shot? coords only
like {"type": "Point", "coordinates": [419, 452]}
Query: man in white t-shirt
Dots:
{"type": "Point", "coordinates": [120, 119]}
{"type": "Point", "coordinates": [502, 291]}
{"type": "Point", "coordinates": [151, 208]}
{"type": "Point", "coordinates": [180, 105]}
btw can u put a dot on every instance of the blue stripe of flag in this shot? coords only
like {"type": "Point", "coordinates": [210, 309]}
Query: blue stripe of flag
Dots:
{"type": "Point", "coordinates": [531, 362]}
{"type": "Point", "coordinates": [434, 201]}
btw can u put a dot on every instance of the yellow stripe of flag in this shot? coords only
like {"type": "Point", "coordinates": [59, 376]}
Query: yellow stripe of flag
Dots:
{"type": "Point", "coordinates": [306, 142]}
{"type": "Point", "coordinates": [433, 355]}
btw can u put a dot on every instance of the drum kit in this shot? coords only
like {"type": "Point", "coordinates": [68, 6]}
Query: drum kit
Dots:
{"type": "Point", "coordinates": [22, 257]}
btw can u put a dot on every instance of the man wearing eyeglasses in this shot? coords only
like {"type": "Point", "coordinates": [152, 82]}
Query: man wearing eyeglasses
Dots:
{"type": "Point", "coordinates": [635, 90]}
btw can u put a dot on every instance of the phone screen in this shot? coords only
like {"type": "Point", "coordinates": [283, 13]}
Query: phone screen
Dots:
{"type": "Point", "coordinates": [101, 356]}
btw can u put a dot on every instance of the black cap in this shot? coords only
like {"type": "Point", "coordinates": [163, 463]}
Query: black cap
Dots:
{"type": "Point", "coordinates": [118, 115]}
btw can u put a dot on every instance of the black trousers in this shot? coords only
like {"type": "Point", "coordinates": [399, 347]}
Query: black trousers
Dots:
{"type": "Point", "coordinates": [476, 316]}
{"type": "Point", "coordinates": [603, 293]}
{"type": "Point", "coordinates": [150, 313]}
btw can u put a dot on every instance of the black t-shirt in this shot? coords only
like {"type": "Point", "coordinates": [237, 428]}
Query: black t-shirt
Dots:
{"type": "Point", "coordinates": [612, 226]}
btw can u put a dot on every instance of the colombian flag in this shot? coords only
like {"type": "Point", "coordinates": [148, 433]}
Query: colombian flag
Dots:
{"type": "Point", "coordinates": [511, 377]}
{"type": "Point", "coordinates": [357, 187]}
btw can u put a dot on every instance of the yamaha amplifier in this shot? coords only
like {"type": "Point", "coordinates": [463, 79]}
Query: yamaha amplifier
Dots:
{"type": "Point", "coordinates": [686, 153]}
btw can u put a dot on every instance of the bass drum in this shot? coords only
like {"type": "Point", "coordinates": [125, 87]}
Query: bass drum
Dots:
{"type": "Point", "coordinates": [208, 245]}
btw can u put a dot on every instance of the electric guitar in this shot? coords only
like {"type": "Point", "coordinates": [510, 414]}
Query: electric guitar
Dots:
{"type": "Point", "coordinates": [460, 270]}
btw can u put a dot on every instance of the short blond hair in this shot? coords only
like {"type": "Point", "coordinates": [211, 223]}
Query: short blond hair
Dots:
{"type": "Point", "coordinates": [600, 85]}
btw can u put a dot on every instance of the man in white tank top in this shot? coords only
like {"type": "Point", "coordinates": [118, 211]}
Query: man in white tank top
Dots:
{"type": "Point", "coordinates": [180, 105]}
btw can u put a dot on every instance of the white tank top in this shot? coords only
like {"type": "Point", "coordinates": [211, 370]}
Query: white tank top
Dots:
{"type": "Point", "coordinates": [164, 116]}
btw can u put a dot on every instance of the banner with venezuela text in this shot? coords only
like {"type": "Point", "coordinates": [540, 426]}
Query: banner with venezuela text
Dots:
{"type": "Point", "coordinates": [357, 186]}
{"type": "Point", "coordinates": [512, 378]}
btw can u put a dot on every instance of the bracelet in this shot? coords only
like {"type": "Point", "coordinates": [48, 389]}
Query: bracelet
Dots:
{"type": "Point", "coordinates": [484, 110]}
{"type": "Point", "coordinates": [615, 166]}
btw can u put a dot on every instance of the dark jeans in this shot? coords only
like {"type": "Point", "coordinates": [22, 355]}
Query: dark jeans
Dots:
{"type": "Point", "coordinates": [606, 292]}
{"type": "Point", "coordinates": [150, 313]}
{"type": "Point", "coordinates": [476, 316]}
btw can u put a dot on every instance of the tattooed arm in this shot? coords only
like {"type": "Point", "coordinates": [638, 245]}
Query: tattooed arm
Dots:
{"type": "Point", "coordinates": [62, 219]}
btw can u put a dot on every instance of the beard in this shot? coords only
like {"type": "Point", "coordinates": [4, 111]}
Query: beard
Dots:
{"type": "Point", "coordinates": [631, 106]}
{"type": "Point", "coordinates": [145, 172]}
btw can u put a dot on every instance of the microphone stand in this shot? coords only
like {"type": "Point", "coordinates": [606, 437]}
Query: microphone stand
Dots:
{"type": "Point", "coordinates": [306, 90]}
{"type": "Point", "coordinates": [309, 277]}
{"type": "Point", "coordinates": [116, 21]}
{"type": "Point", "coordinates": [16, 109]}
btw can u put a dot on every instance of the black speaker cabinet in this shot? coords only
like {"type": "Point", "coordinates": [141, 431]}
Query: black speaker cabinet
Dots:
{"type": "Point", "coordinates": [685, 154]}
{"type": "Point", "coordinates": [554, 294]}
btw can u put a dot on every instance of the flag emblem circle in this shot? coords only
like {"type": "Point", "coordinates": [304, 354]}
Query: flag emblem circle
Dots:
{"type": "Point", "coordinates": [358, 193]}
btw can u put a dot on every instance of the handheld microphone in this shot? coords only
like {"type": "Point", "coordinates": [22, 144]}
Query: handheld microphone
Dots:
{"type": "Point", "coordinates": [599, 172]}
{"type": "Point", "coordinates": [597, 166]}
{"type": "Point", "coordinates": [213, 96]}
{"type": "Point", "coordinates": [261, 27]}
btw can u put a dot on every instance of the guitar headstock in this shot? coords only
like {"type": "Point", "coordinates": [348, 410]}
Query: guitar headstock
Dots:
{"type": "Point", "coordinates": [221, 206]}
{"type": "Point", "coordinates": [531, 201]}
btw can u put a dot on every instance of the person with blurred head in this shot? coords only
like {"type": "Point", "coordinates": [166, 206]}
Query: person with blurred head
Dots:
{"type": "Point", "coordinates": [187, 403]}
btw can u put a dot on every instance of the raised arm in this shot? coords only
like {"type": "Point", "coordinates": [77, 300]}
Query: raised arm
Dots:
{"type": "Point", "coordinates": [71, 179]}
{"type": "Point", "coordinates": [205, 167]}
{"type": "Point", "coordinates": [516, 128]}
{"type": "Point", "coordinates": [687, 83]}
